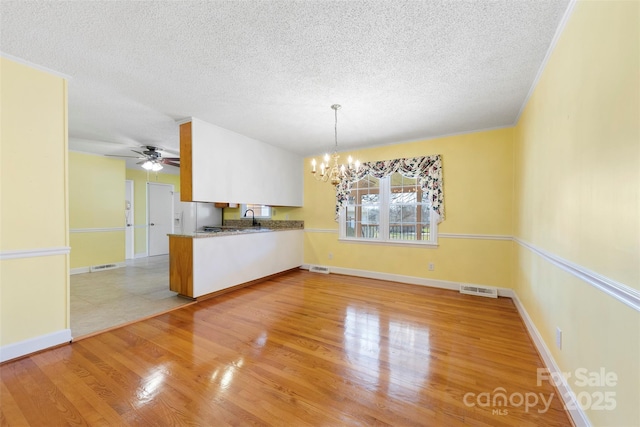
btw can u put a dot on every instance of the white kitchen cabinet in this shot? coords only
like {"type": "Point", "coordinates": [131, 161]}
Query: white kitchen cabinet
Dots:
{"type": "Point", "coordinates": [200, 266]}
{"type": "Point", "coordinates": [218, 165]}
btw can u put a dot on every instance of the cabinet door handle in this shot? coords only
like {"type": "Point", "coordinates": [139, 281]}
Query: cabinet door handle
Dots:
{"type": "Point", "coordinates": [152, 224]}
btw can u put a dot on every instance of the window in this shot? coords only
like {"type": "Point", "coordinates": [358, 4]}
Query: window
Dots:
{"type": "Point", "coordinates": [389, 209]}
{"type": "Point", "coordinates": [260, 211]}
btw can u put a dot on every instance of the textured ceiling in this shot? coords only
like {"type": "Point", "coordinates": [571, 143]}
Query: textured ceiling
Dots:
{"type": "Point", "coordinates": [402, 70]}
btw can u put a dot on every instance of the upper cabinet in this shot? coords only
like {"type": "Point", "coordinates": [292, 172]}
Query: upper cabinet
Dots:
{"type": "Point", "coordinates": [217, 165]}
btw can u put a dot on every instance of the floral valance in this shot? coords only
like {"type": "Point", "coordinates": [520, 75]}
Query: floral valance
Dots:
{"type": "Point", "coordinates": [428, 171]}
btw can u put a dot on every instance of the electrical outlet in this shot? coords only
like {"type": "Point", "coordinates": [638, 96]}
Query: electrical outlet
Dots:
{"type": "Point", "coordinates": [286, 217]}
{"type": "Point", "coordinates": [559, 338]}
{"type": "Point", "coordinates": [330, 255]}
{"type": "Point", "coordinates": [431, 266]}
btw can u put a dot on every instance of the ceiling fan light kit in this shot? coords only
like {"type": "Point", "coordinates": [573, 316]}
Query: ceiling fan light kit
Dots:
{"type": "Point", "coordinates": [151, 158]}
{"type": "Point", "coordinates": [152, 166]}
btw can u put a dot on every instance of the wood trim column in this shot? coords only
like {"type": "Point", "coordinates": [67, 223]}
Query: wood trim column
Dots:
{"type": "Point", "coordinates": [186, 170]}
{"type": "Point", "coordinates": [181, 265]}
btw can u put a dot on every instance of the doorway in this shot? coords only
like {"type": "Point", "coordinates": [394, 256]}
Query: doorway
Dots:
{"type": "Point", "coordinates": [160, 217]}
{"type": "Point", "coordinates": [129, 248]}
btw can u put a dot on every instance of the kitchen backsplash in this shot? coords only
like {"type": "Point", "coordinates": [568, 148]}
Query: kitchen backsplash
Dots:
{"type": "Point", "coordinates": [266, 223]}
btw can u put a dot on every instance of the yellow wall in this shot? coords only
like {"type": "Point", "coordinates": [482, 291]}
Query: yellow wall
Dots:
{"type": "Point", "coordinates": [34, 291]}
{"type": "Point", "coordinates": [96, 201]}
{"type": "Point", "coordinates": [577, 187]}
{"type": "Point", "coordinates": [140, 177]}
{"type": "Point", "coordinates": [478, 192]}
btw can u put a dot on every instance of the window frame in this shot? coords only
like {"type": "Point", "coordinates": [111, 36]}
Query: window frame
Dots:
{"type": "Point", "coordinates": [243, 209]}
{"type": "Point", "coordinates": [384, 196]}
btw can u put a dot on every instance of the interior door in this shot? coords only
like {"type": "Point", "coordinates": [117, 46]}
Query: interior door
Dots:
{"type": "Point", "coordinates": [160, 214]}
{"type": "Point", "coordinates": [128, 220]}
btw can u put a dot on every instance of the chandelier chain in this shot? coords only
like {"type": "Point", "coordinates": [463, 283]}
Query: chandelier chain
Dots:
{"type": "Point", "coordinates": [336, 127]}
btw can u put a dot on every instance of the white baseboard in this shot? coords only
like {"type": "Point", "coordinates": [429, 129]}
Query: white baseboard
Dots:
{"type": "Point", "coordinates": [22, 348]}
{"type": "Point", "coordinates": [566, 394]}
{"type": "Point", "coordinates": [141, 255]}
{"type": "Point", "coordinates": [411, 280]}
{"type": "Point", "coordinates": [80, 270]}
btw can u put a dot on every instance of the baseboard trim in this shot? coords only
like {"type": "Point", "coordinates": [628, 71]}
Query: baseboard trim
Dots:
{"type": "Point", "coordinates": [141, 255]}
{"type": "Point", "coordinates": [32, 253]}
{"type": "Point", "coordinates": [578, 416]}
{"type": "Point", "coordinates": [81, 270]}
{"type": "Point", "coordinates": [33, 345]}
{"type": "Point", "coordinates": [410, 280]}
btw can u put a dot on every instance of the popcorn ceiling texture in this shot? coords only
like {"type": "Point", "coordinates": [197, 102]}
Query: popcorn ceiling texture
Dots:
{"type": "Point", "coordinates": [402, 70]}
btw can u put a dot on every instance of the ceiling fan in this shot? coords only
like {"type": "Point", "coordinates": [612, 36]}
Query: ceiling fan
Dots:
{"type": "Point", "coordinates": [152, 159]}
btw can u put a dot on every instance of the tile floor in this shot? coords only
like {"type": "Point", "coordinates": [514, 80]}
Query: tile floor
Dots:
{"type": "Point", "coordinates": [109, 298]}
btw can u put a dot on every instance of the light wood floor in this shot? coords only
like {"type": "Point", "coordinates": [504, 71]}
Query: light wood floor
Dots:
{"type": "Point", "coordinates": [301, 349]}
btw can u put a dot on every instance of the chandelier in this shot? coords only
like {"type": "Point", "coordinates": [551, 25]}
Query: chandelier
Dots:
{"type": "Point", "coordinates": [334, 172]}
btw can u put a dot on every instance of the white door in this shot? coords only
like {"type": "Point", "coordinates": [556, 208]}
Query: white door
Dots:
{"type": "Point", "coordinates": [128, 220]}
{"type": "Point", "coordinates": [160, 214]}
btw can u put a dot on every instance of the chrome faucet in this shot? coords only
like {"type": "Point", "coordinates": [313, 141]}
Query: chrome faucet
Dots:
{"type": "Point", "coordinates": [253, 217]}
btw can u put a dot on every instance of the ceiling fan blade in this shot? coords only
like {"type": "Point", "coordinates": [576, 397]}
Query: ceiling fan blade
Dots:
{"type": "Point", "coordinates": [167, 162]}
{"type": "Point", "coordinates": [139, 163]}
{"type": "Point", "coordinates": [142, 154]}
{"type": "Point", "coordinates": [177, 159]}
{"type": "Point", "coordinates": [115, 155]}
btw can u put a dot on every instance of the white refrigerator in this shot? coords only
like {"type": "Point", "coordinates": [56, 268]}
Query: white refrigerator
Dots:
{"type": "Point", "coordinates": [190, 217]}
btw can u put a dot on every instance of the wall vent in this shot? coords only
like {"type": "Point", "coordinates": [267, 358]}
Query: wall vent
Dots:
{"type": "Point", "coordinates": [481, 291]}
{"type": "Point", "coordinates": [319, 269]}
{"type": "Point", "coordinates": [102, 267]}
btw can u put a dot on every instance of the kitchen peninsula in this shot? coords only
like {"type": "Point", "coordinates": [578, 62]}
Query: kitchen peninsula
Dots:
{"type": "Point", "coordinates": [206, 264]}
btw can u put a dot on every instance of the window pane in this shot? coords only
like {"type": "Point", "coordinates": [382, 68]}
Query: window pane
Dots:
{"type": "Point", "coordinates": [405, 208]}
{"type": "Point", "coordinates": [395, 214]}
{"type": "Point", "coordinates": [425, 212]}
{"type": "Point", "coordinates": [370, 214]}
{"type": "Point", "coordinates": [350, 221]}
{"type": "Point", "coordinates": [408, 213]}
{"type": "Point", "coordinates": [362, 213]}
{"type": "Point", "coordinates": [259, 210]}
{"type": "Point", "coordinates": [425, 231]}
{"type": "Point", "coordinates": [369, 199]}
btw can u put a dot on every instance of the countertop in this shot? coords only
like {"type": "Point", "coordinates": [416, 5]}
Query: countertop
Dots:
{"type": "Point", "coordinates": [231, 232]}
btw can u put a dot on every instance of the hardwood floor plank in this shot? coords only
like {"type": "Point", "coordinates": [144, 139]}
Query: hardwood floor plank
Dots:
{"type": "Point", "coordinates": [10, 413]}
{"type": "Point", "coordinates": [301, 349]}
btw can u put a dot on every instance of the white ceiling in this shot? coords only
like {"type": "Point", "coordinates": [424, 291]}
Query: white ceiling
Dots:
{"type": "Point", "coordinates": [402, 70]}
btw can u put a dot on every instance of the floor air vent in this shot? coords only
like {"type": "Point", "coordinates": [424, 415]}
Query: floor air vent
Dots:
{"type": "Point", "coordinates": [319, 269]}
{"type": "Point", "coordinates": [481, 291]}
{"type": "Point", "coordinates": [102, 267]}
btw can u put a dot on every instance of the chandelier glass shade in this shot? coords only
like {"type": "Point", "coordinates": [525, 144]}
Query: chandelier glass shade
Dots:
{"type": "Point", "coordinates": [329, 168]}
